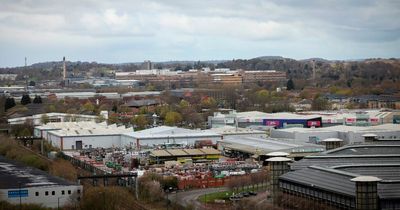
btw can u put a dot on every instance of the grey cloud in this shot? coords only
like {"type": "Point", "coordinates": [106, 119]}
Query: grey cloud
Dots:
{"type": "Point", "coordinates": [191, 24]}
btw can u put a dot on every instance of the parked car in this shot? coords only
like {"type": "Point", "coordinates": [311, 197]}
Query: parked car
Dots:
{"type": "Point", "coordinates": [252, 193]}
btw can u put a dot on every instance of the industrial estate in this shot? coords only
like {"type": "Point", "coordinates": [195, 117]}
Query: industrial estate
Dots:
{"type": "Point", "coordinates": [158, 139]}
{"type": "Point", "coordinates": [199, 105]}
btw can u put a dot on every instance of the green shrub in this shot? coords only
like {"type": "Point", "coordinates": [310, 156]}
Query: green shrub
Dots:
{"type": "Point", "coordinates": [34, 161]}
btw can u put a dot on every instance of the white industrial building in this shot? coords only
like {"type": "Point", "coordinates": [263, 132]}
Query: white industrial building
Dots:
{"type": "Point", "coordinates": [357, 117]}
{"type": "Point", "coordinates": [256, 118]}
{"type": "Point", "coordinates": [227, 131]}
{"type": "Point", "coordinates": [165, 134]}
{"type": "Point", "coordinates": [53, 117]}
{"type": "Point", "coordinates": [26, 185]}
{"type": "Point", "coordinates": [80, 135]}
{"type": "Point", "coordinates": [263, 146]}
{"type": "Point", "coordinates": [349, 134]}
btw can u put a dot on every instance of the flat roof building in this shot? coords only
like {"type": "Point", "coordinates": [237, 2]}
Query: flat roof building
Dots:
{"type": "Point", "coordinates": [349, 134]}
{"type": "Point", "coordinates": [263, 146]}
{"type": "Point", "coordinates": [52, 117]}
{"type": "Point", "coordinates": [357, 117]}
{"type": "Point", "coordinates": [30, 185]}
{"type": "Point", "coordinates": [227, 131]}
{"type": "Point", "coordinates": [80, 135]}
{"type": "Point", "coordinates": [166, 134]}
{"type": "Point", "coordinates": [256, 118]}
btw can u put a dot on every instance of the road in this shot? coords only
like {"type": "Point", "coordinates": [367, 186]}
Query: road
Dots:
{"type": "Point", "coordinates": [186, 198]}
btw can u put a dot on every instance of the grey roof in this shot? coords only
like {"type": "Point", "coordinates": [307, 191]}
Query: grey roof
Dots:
{"type": "Point", "coordinates": [254, 145]}
{"type": "Point", "coordinates": [171, 132]}
{"type": "Point", "coordinates": [389, 190]}
{"type": "Point", "coordinates": [14, 175]}
{"type": "Point", "coordinates": [338, 182]}
{"type": "Point", "coordinates": [322, 179]}
{"type": "Point", "coordinates": [142, 102]}
{"type": "Point", "coordinates": [372, 149]}
{"type": "Point", "coordinates": [385, 172]}
{"type": "Point", "coordinates": [331, 161]}
{"type": "Point", "coordinates": [332, 170]}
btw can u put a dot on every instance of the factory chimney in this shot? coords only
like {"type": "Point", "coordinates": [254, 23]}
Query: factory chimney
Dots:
{"type": "Point", "coordinates": [64, 69]}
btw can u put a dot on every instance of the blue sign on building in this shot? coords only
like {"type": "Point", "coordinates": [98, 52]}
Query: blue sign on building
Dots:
{"type": "Point", "coordinates": [17, 193]}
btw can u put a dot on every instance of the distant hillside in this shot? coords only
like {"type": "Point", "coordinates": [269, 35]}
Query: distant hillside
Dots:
{"type": "Point", "coordinates": [348, 73]}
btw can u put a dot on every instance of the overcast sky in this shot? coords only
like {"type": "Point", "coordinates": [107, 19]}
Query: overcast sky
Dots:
{"type": "Point", "coordinates": [130, 31]}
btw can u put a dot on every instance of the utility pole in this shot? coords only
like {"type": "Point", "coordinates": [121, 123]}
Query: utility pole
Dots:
{"type": "Point", "coordinates": [313, 69]}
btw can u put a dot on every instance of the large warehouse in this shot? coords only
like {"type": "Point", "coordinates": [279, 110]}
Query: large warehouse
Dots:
{"type": "Point", "coordinates": [227, 131]}
{"type": "Point", "coordinates": [80, 135]}
{"type": "Point", "coordinates": [349, 134]}
{"type": "Point", "coordinates": [168, 135]}
{"type": "Point", "coordinates": [248, 146]}
{"type": "Point", "coordinates": [52, 117]}
{"type": "Point", "coordinates": [357, 117]}
{"type": "Point", "coordinates": [22, 184]}
{"type": "Point", "coordinates": [276, 120]}
{"type": "Point", "coordinates": [350, 177]}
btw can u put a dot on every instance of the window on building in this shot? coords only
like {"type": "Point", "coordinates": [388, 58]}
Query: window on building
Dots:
{"type": "Point", "coordinates": [53, 192]}
{"type": "Point", "coordinates": [79, 191]}
{"type": "Point", "coordinates": [46, 193]}
{"type": "Point", "coordinates": [36, 193]}
{"type": "Point", "coordinates": [69, 192]}
{"type": "Point", "coordinates": [62, 192]}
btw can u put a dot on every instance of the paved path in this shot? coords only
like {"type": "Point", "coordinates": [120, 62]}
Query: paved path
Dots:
{"type": "Point", "coordinates": [190, 197]}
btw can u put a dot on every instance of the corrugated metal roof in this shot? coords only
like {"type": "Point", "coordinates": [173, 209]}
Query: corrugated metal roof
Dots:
{"type": "Point", "coordinates": [193, 152]}
{"type": "Point", "coordinates": [389, 190]}
{"type": "Point", "coordinates": [385, 172]}
{"type": "Point", "coordinates": [340, 165]}
{"type": "Point", "coordinates": [177, 152]}
{"type": "Point", "coordinates": [322, 179]}
{"type": "Point", "coordinates": [336, 181]}
{"type": "Point", "coordinates": [171, 132]}
{"type": "Point", "coordinates": [160, 153]}
{"type": "Point", "coordinates": [263, 145]}
{"type": "Point", "coordinates": [366, 150]}
{"type": "Point", "coordinates": [343, 160]}
{"type": "Point", "coordinates": [13, 174]}
{"type": "Point", "coordinates": [210, 151]}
